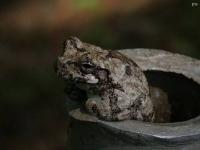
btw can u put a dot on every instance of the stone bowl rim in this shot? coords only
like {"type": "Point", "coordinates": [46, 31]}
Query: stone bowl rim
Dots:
{"type": "Point", "coordinates": [186, 130]}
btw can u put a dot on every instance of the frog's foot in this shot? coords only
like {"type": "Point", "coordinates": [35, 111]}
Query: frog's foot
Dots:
{"type": "Point", "coordinates": [91, 106]}
{"type": "Point", "coordinates": [98, 108]}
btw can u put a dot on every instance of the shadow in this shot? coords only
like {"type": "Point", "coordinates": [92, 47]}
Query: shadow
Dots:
{"type": "Point", "coordinates": [183, 93]}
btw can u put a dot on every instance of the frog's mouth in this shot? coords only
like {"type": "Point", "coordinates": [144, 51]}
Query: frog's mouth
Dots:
{"type": "Point", "coordinates": [87, 79]}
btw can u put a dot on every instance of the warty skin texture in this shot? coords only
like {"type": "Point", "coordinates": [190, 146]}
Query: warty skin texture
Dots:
{"type": "Point", "coordinates": [116, 87]}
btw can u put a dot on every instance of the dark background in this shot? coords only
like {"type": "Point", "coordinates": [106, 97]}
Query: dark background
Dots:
{"type": "Point", "coordinates": [32, 105]}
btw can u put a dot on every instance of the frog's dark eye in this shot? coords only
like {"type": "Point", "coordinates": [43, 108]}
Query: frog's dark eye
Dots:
{"type": "Point", "coordinates": [87, 67]}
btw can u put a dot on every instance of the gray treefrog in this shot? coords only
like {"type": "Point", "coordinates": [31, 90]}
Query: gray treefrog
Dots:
{"type": "Point", "coordinates": [116, 87]}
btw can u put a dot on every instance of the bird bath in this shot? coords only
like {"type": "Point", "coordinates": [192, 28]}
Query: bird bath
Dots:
{"type": "Point", "coordinates": [179, 77]}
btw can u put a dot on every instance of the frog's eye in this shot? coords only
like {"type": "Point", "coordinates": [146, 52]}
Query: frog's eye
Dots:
{"type": "Point", "coordinates": [87, 67]}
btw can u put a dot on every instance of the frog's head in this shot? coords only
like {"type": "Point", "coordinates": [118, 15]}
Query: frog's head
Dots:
{"type": "Point", "coordinates": [82, 63]}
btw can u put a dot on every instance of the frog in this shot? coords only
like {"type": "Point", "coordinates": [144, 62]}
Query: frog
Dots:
{"type": "Point", "coordinates": [115, 86]}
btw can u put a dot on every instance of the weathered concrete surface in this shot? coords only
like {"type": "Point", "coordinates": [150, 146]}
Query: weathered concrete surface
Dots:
{"type": "Point", "coordinates": [89, 133]}
{"type": "Point", "coordinates": [149, 59]}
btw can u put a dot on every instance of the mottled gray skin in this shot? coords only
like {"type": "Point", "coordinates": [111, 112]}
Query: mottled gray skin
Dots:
{"type": "Point", "coordinates": [116, 87]}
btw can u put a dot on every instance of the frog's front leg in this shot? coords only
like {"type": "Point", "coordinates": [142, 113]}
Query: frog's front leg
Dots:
{"type": "Point", "coordinates": [96, 106]}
